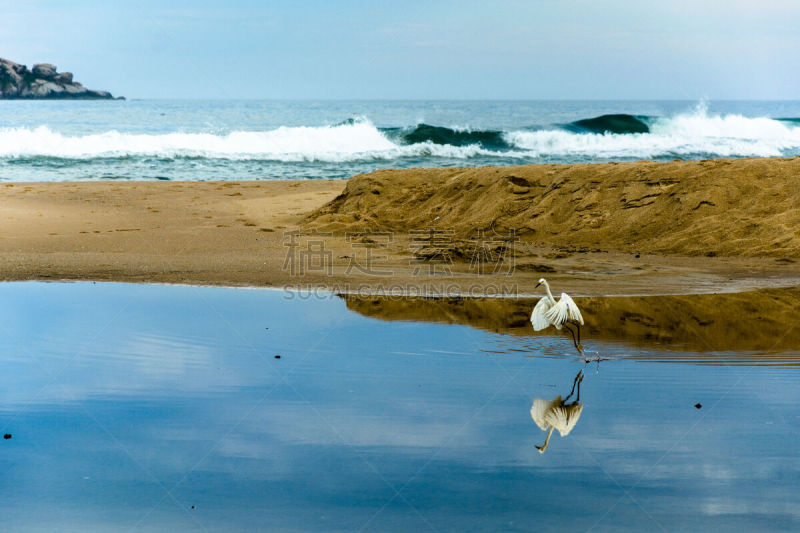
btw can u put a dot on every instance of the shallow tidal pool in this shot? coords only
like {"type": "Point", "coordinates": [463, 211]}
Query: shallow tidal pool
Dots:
{"type": "Point", "coordinates": [171, 408]}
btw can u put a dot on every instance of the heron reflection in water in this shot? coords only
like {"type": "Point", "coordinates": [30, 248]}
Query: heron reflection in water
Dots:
{"type": "Point", "coordinates": [558, 414]}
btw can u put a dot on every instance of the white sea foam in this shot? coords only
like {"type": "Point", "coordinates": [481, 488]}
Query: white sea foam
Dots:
{"type": "Point", "coordinates": [696, 133]}
{"type": "Point", "coordinates": [291, 144]}
{"type": "Point", "coordinates": [359, 140]}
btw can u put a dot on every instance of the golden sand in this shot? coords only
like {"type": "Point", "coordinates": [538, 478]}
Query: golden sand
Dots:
{"type": "Point", "coordinates": [628, 228]}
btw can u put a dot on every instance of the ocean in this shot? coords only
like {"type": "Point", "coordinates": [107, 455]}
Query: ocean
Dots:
{"type": "Point", "coordinates": [257, 140]}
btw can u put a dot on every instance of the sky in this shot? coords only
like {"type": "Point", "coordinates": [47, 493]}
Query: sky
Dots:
{"type": "Point", "coordinates": [414, 49]}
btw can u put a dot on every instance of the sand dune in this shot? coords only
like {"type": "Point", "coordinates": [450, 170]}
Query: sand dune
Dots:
{"type": "Point", "coordinates": [746, 207]}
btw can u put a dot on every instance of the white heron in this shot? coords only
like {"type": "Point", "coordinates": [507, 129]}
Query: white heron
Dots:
{"type": "Point", "coordinates": [548, 312]}
{"type": "Point", "coordinates": [557, 414]}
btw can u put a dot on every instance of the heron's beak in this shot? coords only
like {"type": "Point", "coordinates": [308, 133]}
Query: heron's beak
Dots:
{"type": "Point", "coordinates": [537, 285]}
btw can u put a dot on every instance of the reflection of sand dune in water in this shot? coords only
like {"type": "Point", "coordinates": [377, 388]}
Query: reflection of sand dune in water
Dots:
{"type": "Point", "coordinates": [761, 321]}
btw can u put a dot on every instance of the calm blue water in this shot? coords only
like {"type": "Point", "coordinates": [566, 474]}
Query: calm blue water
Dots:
{"type": "Point", "coordinates": [193, 139]}
{"type": "Point", "coordinates": [154, 408]}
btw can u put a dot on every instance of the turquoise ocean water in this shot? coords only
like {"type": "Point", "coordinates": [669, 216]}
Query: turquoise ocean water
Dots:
{"type": "Point", "coordinates": [227, 139]}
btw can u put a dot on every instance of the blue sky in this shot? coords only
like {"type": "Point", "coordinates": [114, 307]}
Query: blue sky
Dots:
{"type": "Point", "coordinates": [617, 49]}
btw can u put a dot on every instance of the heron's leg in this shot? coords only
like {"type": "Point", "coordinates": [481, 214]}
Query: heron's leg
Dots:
{"type": "Point", "coordinates": [574, 340]}
{"type": "Point", "coordinates": [544, 446]}
{"type": "Point", "coordinates": [574, 382]}
{"type": "Point", "coordinates": [578, 397]}
{"type": "Point", "coordinates": [578, 345]}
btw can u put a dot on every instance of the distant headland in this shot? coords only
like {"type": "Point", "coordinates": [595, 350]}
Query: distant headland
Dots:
{"type": "Point", "coordinates": [43, 82]}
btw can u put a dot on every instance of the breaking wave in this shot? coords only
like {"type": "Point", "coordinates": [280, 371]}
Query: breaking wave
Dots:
{"type": "Point", "coordinates": [696, 134]}
{"type": "Point", "coordinates": [619, 136]}
{"type": "Point", "coordinates": [352, 141]}
{"type": "Point", "coordinates": [619, 123]}
{"type": "Point", "coordinates": [425, 133]}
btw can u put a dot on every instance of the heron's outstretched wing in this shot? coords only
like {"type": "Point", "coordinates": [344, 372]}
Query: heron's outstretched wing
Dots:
{"type": "Point", "coordinates": [538, 317]}
{"type": "Point", "coordinates": [564, 417]}
{"type": "Point", "coordinates": [540, 410]}
{"type": "Point", "coordinates": [564, 310]}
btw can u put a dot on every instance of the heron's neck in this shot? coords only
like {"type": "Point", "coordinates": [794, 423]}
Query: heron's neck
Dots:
{"type": "Point", "coordinates": [547, 288]}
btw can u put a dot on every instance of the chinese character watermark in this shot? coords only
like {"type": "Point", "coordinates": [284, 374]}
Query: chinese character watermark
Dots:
{"type": "Point", "coordinates": [495, 251]}
{"type": "Point", "coordinates": [368, 243]}
{"type": "Point", "coordinates": [431, 249]}
{"type": "Point", "coordinates": [434, 250]}
{"type": "Point", "coordinates": [314, 257]}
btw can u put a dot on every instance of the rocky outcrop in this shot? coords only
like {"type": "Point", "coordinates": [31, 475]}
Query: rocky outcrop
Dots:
{"type": "Point", "coordinates": [43, 81]}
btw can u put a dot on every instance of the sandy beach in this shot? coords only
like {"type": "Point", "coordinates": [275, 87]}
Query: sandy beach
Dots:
{"type": "Point", "coordinates": [602, 229]}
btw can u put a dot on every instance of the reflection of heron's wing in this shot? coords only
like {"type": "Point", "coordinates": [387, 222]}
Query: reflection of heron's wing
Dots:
{"type": "Point", "coordinates": [538, 317]}
{"type": "Point", "coordinates": [564, 310]}
{"type": "Point", "coordinates": [564, 418]}
{"type": "Point", "coordinates": [540, 410]}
